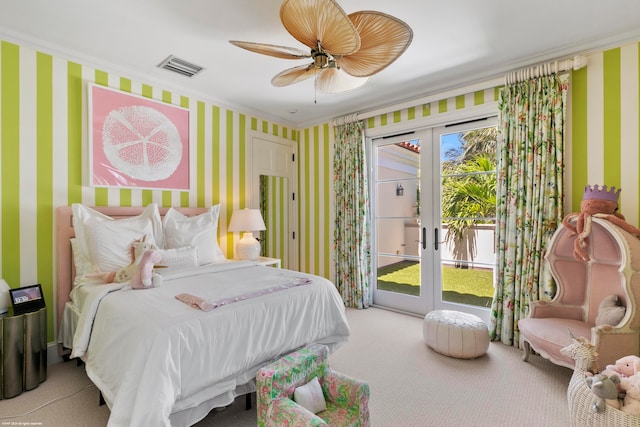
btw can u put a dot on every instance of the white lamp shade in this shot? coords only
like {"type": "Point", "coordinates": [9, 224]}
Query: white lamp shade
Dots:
{"type": "Point", "coordinates": [5, 300]}
{"type": "Point", "coordinates": [247, 220]}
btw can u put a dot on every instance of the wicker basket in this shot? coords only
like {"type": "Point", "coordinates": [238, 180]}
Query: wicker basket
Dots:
{"type": "Point", "coordinates": [581, 412]}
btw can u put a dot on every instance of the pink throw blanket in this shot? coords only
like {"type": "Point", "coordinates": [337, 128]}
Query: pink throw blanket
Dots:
{"type": "Point", "coordinates": [202, 304]}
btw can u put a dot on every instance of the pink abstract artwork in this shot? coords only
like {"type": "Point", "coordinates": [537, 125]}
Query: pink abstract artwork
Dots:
{"type": "Point", "coordinates": [137, 142]}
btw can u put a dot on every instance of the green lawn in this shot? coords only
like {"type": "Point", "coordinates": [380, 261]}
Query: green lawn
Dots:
{"type": "Point", "coordinates": [466, 286]}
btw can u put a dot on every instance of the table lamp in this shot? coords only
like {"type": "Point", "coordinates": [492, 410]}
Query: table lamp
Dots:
{"type": "Point", "coordinates": [5, 300]}
{"type": "Point", "coordinates": [247, 221]}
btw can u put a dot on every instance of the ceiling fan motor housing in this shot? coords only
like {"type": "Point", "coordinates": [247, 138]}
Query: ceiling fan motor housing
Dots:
{"type": "Point", "coordinates": [322, 59]}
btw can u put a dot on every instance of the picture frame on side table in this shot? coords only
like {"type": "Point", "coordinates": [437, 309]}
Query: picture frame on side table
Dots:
{"type": "Point", "coordinates": [27, 299]}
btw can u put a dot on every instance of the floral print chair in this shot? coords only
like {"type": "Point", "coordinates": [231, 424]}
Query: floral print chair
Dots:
{"type": "Point", "coordinates": [347, 399]}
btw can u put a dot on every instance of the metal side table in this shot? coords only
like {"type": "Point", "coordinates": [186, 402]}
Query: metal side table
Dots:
{"type": "Point", "coordinates": [23, 352]}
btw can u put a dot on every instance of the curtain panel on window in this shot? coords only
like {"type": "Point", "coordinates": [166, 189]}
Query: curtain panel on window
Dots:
{"type": "Point", "coordinates": [529, 197]}
{"type": "Point", "coordinates": [351, 237]}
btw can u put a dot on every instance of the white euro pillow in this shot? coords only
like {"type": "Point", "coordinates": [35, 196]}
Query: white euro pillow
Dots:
{"type": "Point", "coordinates": [107, 241]}
{"type": "Point", "coordinates": [199, 231]}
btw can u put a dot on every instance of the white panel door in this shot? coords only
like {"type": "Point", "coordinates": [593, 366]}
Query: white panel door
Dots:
{"type": "Point", "coordinates": [274, 184]}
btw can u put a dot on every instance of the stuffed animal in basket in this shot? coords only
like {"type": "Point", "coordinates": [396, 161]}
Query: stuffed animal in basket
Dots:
{"type": "Point", "coordinates": [583, 352]}
{"type": "Point", "coordinates": [606, 389]}
{"type": "Point", "coordinates": [601, 203]}
{"type": "Point", "coordinates": [631, 402]}
{"type": "Point", "coordinates": [624, 367]}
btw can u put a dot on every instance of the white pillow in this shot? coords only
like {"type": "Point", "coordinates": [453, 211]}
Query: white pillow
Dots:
{"type": "Point", "coordinates": [110, 243]}
{"type": "Point", "coordinates": [177, 259]}
{"type": "Point", "coordinates": [310, 396]}
{"type": "Point", "coordinates": [200, 231]}
{"type": "Point", "coordinates": [610, 311]}
{"type": "Point", "coordinates": [106, 241]}
{"type": "Point", "coordinates": [81, 263]}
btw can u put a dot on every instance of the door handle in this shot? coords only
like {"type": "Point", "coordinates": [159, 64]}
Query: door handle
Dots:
{"type": "Point", "coordinates": [424, 237]}
{"type": "Point", "coordinates": [436, 240]}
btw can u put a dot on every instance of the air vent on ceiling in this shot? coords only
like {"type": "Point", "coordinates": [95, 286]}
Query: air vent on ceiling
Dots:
{"type": "Point", "coordinates": [180, 66]}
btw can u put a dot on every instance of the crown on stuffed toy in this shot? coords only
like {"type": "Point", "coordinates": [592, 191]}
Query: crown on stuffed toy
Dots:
{"type": "Point", "coordinates": [595, 192]}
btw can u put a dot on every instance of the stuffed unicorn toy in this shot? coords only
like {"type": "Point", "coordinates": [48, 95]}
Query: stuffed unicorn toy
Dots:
{"type": "Point", "coordinates": [144, 276]}
{"type": "Point", "coordinates": [140, 271]}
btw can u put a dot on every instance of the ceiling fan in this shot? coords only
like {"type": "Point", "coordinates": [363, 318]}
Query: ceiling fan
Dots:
{"type": "Point", "coordinates": [345, 49]}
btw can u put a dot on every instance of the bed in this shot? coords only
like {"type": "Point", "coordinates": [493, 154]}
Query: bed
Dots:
{"type": "Point", "coordinates": [159, 361]}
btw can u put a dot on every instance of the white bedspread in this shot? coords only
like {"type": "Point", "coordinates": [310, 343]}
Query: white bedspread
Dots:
{"type": "Point", "coordinates": [154, 357]}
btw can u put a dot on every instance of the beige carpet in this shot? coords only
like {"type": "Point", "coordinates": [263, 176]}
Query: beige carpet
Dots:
{"type": "Point", "coordinates": [411, 385]}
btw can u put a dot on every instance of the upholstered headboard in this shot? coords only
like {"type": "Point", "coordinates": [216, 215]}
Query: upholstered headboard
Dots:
{"type": "Point", "coordinates": [64, 229]}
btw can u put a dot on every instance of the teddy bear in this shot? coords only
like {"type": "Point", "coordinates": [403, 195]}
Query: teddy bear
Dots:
{"type": "Point", "coordinates": [606, 389]}
{"type": "Point", "coordinates": [601, 203]}
{"type": "Point", "coordinates": [624, 367]}
{"type": "Point", "coordinates": [631, 402]}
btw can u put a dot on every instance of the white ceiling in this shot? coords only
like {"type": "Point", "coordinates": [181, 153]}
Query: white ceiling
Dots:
{"type": "Point", "coordinates": [456, 43]}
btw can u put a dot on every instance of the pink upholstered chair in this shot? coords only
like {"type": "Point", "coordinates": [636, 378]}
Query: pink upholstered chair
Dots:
{"type": "Point", "coordinates": [347, 399]}
{"type": "Point", "coordinates": [612, 270]}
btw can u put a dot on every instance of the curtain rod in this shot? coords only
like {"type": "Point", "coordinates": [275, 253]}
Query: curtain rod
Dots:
{"type": "Point", "coordinates": [545, 69]}
{"type": "Point", "coordinates": [576, 63]}
{"type": "Point", "coordinates": [340, 121]}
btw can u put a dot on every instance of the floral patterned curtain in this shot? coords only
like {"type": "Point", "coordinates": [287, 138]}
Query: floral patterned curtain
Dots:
{"type": "Point", "coordinates": [351, 237]}
{"type": "Point", "coordinates": [530, 196]}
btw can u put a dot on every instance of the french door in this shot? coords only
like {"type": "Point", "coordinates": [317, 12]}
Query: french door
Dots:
{"type": "Point", "coordinates": [399, 193]}
{"type": "Point", "coordinates": [433, 209]}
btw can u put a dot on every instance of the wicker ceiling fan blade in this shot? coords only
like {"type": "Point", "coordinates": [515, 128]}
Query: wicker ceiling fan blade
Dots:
{"type": "Point", "coordinates": [333, 80]}
{"type": "Point", "coordinates": [294, 75]}
{"type": "Point", "coordinates": [323, 21]}
{"type": "Point", "coordinates": [272, 50]}
{"type": "Point", "coordinates": [383, 39]}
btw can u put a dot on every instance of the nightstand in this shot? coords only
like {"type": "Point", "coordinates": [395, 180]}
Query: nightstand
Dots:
{"type": "Point", "coordinates": [23, 352]}
{"type": "Point", "coordinates": [274, 262]}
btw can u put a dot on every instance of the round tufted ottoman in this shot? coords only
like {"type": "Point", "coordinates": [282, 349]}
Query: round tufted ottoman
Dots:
{"type": "Point", "coordinates": [456, 334]}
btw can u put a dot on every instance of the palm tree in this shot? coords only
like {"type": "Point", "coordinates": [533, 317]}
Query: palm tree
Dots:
{"type": "Point", "coordinates": [469, 189]}
{"type": "Point", "coordinates": [479, 142]}
{"type": "Point", "coordinates": [469, 196]}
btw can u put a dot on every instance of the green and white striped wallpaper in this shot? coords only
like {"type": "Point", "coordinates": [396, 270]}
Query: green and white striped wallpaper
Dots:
{"type": "Point", "coordinates": [43, 132]}
{"type": "Point", "coordinates": [316, 202]}
{"type": "Point", "coordinates": [605, 127]}
{"type": "Point", "coordinates": [43, 107]}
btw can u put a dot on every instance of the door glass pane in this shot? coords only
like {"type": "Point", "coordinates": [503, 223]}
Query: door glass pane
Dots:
{"type": "Point", "coordinates": [396, 218]}
{"type": "Point", "coordinates": [468, 194]}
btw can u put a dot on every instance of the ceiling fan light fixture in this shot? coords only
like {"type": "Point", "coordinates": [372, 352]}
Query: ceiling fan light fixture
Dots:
{"type": "Point", "coordinates": [345, 49]}
{"type": "Point", "coordinates": [335, 81]}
